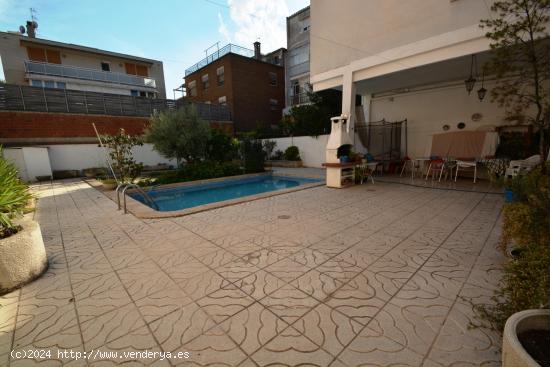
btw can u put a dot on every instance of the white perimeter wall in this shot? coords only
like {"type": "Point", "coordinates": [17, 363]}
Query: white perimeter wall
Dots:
{"type": "Point", "coordinates": [81, 156]}
{"type": "Point", "coordinates": [312, 149]}
{"type": "Point", "coordinates": [33, 161]}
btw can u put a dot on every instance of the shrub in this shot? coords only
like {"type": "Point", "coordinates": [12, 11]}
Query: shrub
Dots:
{"type": "Point", "coordinates": [252, 155]}
{"type": "Point", "coordinates": [292, 153]}
{"type": "Point", "coordinates": [269, 145]}
{"type": "Point", "coordinates": [179, 134]}
{"type": "Point", "coordinates": [278, 155]}
{"type": "Point", "coordinates": [120, 150]}
{"type": "Point", "coordinates": [200, 171]}
{"type": "Point", "coordinates": [219, 147]}
{"type": "Point", "coordinates": [14, 197]}
{"type": "Point", "coordinates": [526, 279]}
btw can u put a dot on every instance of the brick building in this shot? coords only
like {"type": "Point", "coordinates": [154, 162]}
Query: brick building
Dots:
{"type": "Point", "coordinates": [251, 84]}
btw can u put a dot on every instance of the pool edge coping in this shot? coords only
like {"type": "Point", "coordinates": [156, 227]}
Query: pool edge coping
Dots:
{"type": "Point", "coordinates": [143, 211]}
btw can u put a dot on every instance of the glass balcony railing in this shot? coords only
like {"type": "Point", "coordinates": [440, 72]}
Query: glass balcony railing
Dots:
{"type": "Point", "coordinates": [43, 68]}
{"type": "Point", "coordinates": [229, 48]}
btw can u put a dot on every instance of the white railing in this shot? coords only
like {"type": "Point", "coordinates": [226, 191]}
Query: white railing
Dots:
{"type": "Point", "coordinates": [44, 68]}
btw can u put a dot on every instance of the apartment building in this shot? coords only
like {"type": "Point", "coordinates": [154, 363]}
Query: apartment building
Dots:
{"type": "Point", "coordinates": [297, 59]}
{"type": "Point", "coordinates": [249, 83]}
{"type": "Point", "coordinates": [27, 60]}
{"type": "Point", "coordinates": [406, 60]}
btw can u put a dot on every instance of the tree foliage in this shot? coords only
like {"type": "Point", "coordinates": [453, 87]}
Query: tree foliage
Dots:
{"type": "Point", "coordinates": [521, 61]}
{"type": "Point", "coordinates": [120, 150]}
{"type": "Point", "coordinates": [179, 134]}
{"type": "Point", "coordinates": [14, 197]}
{"type": "Point", "coordinates": [219, 147]}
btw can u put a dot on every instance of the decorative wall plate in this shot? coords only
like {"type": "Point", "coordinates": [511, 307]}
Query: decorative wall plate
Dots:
{"type": "Point", "coordinates": [461, 125]}
{"type": "Point", "coordinates": [477, 117]}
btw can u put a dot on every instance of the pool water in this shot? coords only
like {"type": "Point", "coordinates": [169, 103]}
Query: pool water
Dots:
{"type": "Point", "coordinates": [185, 197]}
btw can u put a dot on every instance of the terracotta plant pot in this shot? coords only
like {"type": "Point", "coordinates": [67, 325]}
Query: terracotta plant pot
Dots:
{"type": "Point", "coordinates": [513, 352]}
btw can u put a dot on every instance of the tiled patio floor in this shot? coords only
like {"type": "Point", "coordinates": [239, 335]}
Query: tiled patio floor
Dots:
{"type": "Point", "coordinates": [373, 275]}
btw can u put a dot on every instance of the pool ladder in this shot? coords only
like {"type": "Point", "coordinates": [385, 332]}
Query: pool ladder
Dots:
{"type": "Point", "coordinates": [125, 186]}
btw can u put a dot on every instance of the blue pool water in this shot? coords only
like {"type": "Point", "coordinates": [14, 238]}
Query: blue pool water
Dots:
{"type": "Point", "coordinates": [185, 197]}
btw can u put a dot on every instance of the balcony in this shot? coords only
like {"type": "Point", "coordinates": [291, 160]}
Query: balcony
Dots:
{"type": "Point", "coordinates": [298, 69]}
{"type": "Point", "coordinates": [230, 48]}
{"type": "Point", "coordinates": [298, 99]}
{"type": "Point", "coordinates": [66, 71]}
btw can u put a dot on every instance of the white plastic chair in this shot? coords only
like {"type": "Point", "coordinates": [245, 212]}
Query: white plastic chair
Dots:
{"type": "Point", "coordinates": [465, 165]}
{"type": "Point", "coordinates": [522, 166]}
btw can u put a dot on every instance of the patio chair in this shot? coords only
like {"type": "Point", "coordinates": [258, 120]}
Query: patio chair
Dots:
{"type": "Point", "coordinates": [437, 165]}
{"type": "Point", "coordinates": [412, 164]}
{"type": "Point", "coordinates": [466, 165]}
{"type": "Point", "coordinates": [522, 166]}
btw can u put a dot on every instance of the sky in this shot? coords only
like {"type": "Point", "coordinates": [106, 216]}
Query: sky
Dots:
{"type": "Point", "coordinates": [177, 32]}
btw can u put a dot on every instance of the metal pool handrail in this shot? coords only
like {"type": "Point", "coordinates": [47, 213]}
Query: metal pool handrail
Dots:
{"type": "Point", "coordinates": [126, 186]}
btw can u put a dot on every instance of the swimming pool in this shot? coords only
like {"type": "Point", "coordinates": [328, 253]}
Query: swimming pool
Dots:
{"type": "Point", "coordinates": [185, 197]}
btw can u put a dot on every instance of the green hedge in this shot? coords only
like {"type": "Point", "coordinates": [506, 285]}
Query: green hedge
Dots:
{"type": "Point", "coordinates": [200, 171]}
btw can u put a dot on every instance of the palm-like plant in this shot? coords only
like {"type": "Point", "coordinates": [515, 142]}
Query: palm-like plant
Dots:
{"type": "Point", "coordinates": [14, 197]}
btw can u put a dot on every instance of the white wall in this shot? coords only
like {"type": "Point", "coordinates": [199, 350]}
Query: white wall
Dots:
{"type": "Point", "coordinates": [34, 161]}
{"type": "Point", "coordinates": [427, 111]}
{"type": "Point", "coordinates": [81, 156]}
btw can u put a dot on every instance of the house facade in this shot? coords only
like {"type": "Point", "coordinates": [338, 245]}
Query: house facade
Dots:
{"type": "Point", "coordinates": [297, 59]}
{"type": "Point", "coordinates": [251, 84]}
{"type": "Point", "coordinates": [27, 60]}
{"type": "Point", "coordinates": [398, 60]}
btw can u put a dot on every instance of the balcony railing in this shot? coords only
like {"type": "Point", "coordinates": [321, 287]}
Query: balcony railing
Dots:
{"type": "Point", "coordinates": [230, 48]}
{"type": "Point", "coordinates": [37, 99]}
{"type": "Point", "coordinates": [43, 68]}
{"type": "Point", "coordinates": [298, 99]}
{"type": "Point", "coordinates": [298, 69]}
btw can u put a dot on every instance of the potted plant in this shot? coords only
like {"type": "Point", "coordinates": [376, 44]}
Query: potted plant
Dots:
{"type": "Point", "coordinates": [526, 334]}
{"type": "Point", "coordinates": [22, 253]}
{"type": "Point", "coordinates": [109, 183]}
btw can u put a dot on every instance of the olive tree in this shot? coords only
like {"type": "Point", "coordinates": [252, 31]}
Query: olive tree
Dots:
{"type": "Point", "coordinates": [521, 62]}
{"type": "Point", "coordinates": [179, 134]}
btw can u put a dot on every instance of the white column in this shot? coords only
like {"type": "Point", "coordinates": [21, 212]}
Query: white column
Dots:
{"type": "Point", "coordinates": [348, 98]}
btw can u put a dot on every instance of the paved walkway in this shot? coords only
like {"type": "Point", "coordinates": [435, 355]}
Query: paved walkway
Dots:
{"type": "Point", "coordinates": [373, 275]}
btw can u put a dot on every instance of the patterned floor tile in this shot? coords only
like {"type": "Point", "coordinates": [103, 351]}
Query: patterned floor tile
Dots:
{"type": "Point", "coordinates": [99, 295]}
{"type": "Point", "coordinates": [202, 284]}
{"type": "Point", "coordinates": [371, 349]}
{"type": "Point", "coordinates": [259, 284]}
{"type": "Point", "coordinates": [262, 258]}
{"type": "Point", "coordinates": [158, 304]}
{"type": "Point", "coordinates": [213, 348]}
{"type": "Point", "coordinates": [290, 348]}
{"type": "Point", "coordinates": [355, 304]}
{"type": "Point", "coordinates": [110, 326]}
{"type": "Point", "coordinates": [316, 284]}
{"type": "Point", "coordinates": [289, 303]}
{"type": "Point", "coordinates": [286, 269]}
{"type": "Point", "coordinates": [178, 327]}
{"type": "Point", "coordinates": [328, 328]}
{"type": "Point", "coordinates": [253, 327]}
{"type": "Point", "coordinates": [144, 279]}
{"type": "Point", "coordinates": [224, 303]}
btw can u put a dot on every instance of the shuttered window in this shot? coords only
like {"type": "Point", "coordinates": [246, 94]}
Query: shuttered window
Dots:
{"type": "Point", "coordinates": [36, 54]}
{"type": "Point", "coordinates": [44, 55]}
{"type": "Point", "coordinates": [135, 69]}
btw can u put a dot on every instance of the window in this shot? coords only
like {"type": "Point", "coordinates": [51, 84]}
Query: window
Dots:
{"type": "Point", "coordinates": [222, 100]}
{"type": "Point", "coordinates": [273, 79]}
{"type": "Point", "coordinates": [205, 81]}
{"type": "Point", "coordinates": [134, 93]}
{"type": "Point", "coordinates": [44, 55]}
{"type": "Point", "coordinates": [142, 94]}
{"type": "Point", "coordinates": [61, 85]}
{"type": "Point", "coordinates": [192, 88]}
{"type": "Point", "coordinates": [105, 66]}
{"type": "Point", "coordinates": [49, 84]}
{"type": "Point", "coordinates": [220, 73]}
{"type": "Point", "coordinates": [274, 104]}
{"type": "Point", "coordinates": [295, 89]}
{"type": "Point", "coordinates": [36, 83]}
{"type": "Point", "coordinates": [134, 69]}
